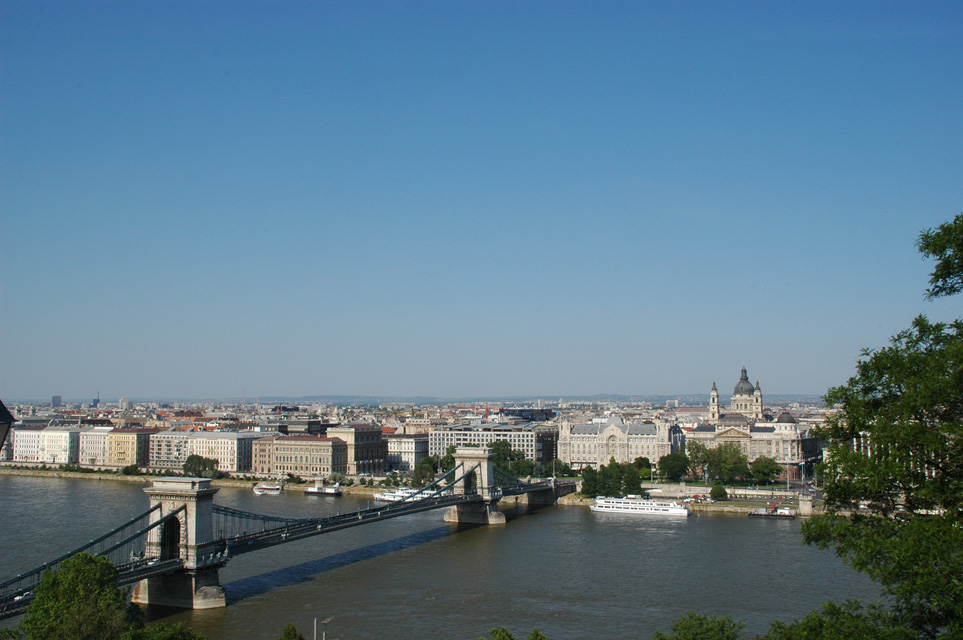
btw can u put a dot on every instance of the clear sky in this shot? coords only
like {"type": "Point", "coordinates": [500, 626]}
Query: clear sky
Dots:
{"type": "Point", "coordinates": [200, 199]}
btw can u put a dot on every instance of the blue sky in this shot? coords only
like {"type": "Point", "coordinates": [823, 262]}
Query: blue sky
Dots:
{"type": "Point", "coordinates": [467, 198]}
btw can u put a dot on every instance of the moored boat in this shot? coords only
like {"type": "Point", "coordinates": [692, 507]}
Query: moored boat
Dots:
{"type": "Point", "coordinates": [265, 488]}
{"type": "Point", "coordinates": [397, 495]}
{"type": "Point", "coordinates": [773, 511]}
{"type": "Point", "coordinates": [320, 490]}
{"type": "Point", "coordinates": [637, 505]}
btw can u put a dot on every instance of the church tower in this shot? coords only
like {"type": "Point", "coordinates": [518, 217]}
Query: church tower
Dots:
{"type": "Point", "coordinates": [757, 402]}
{"type": "Point", "coordinates": [714, 402]}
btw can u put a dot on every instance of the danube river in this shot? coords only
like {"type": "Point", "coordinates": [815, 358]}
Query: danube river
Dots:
{"type": "Point", "coordinates": [571, 573]}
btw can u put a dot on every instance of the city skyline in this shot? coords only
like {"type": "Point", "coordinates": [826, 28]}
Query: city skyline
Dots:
{"type": "Point", "coordinates": [463, 200]}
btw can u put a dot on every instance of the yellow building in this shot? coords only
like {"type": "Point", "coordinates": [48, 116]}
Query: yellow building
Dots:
{"type": "Point", "coordinates": [127, 447]}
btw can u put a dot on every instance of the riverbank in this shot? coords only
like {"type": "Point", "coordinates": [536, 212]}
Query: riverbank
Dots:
{"type": "Point", "coordinates": [738, 506]}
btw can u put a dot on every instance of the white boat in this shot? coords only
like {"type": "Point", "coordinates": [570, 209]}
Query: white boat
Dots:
{"type": "Point", "coordinates": [264, 488]}
{"type": "Point", "coordinates": [397, 495]}
{"type": "Point", "coordinates": [320, 490]}
{"type": "Point", "coordinates": [637, 505]}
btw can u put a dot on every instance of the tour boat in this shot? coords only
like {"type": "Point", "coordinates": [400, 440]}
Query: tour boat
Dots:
{"type": "Point", "coordinates": [263, 488]}
{"type": "Point", "coordinates": [773, 511]}
{"type": "Point", "coordinates": [397, 495]}
{"type": "Point", "coordinates": [320, 490]}
{"type": "Point", "coordinates": [637, 505]}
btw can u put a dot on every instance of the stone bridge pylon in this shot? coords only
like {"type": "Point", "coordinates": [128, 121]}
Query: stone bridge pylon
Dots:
{"type": "Point", "coordinates": [482, 482]}
{"type": "Point", "coordinates": [188, 536]}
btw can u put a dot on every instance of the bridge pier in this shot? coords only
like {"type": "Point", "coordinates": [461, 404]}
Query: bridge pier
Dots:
{"type": "Point", "coordinates": [483, 479]}
{"type": "Point", "coordinates": [188, 536]}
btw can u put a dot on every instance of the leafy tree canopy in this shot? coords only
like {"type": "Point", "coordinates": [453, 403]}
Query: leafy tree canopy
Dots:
{"type": "Point", "coordinates": [764, 469]}
{"type": "Point", "coordinates": [290, 632]}
{"type": "Point", "coordinates": [727, 462]}
{"type": "Point", "coordinates": [200, 467]}
{"type": "Point", "coordinates": [80, 600]}
{"type": "Point", "coordinates": [674, 465]}
{"type": "Point", "coordinates": [894, 446]}
{"type": "Point", "coordinates": [696, 626]}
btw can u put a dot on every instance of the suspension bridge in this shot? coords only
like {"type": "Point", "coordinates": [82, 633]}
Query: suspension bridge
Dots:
{"type": "Point", "coordinates": [172, 552]}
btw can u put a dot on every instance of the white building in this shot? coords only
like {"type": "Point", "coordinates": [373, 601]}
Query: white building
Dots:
{"type": "Point", "coordinates": [60, 444]}
{"type": "Point", "coordinates": [231, 449]}
{"type": "Point", "coordinates": [596, 443]}
{"type": "Point", "coordinates": [26, 444]}
{"type": "Point", "coordinates": [406, 451]}
{"type": "Point", "coordinates": [538, 444]}
{"type": "Point", "coordinates": [93, 446]}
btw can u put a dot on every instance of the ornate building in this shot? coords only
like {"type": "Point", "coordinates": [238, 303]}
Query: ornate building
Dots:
{"type": "Point", "coordinates": [596, 443]}
{"type": "Point", "coordinates": [746, 425]}
{"type": "Point", "coordinates": [746, 400]}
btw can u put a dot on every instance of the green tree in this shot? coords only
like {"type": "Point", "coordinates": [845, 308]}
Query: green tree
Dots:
{"type": "Point", "coordinates": [631, 481]}
{"type": "Point", "coordinates": [696, 626]}
{"type": "Point", "coordinates": [162, 631]}
{"type": "Point", "coordinates": [200, 467]}
{"type": "Point", "coordinates": [764, 469]}
{"type": "Point", "coordinates": [727, 462]}
{"type": "Point", "coordinates": [447, 461]}
{"type": "Point", "coordinates": [698, 455]}
{"type": "Point", "coordinates": [841, 622]}
{"type": "Point", "coordinates": [674, 465]}
{"type": "Point", "coordinates": [895, 446]}
{"type": "Point", "coordinates": [290, 632]}
{"type": "Point", "coordinates": [591, 487]}
{"type": "Point", "coordinates": [610, 476]}
{"type": "Point", "coordinates": [79, 600]}
{"type": "Point", "coordinates": [718, 492]}
{"type": "Point", "coordinates": [423, 473]}
{"type": "Point", "coordinates": [501, 633]}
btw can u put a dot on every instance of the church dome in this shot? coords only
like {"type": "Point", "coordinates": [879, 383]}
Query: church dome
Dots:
{"type": "Point", "coordinates": [786, 418]}
{"type": "Point", "coordinates": [743, 387]}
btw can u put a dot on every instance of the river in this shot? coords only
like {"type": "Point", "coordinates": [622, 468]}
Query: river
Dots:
{"type": "Point", "coordinates": [569, 572]}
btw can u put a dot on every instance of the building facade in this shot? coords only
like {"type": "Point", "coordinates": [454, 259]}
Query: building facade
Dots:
{"type": "Point", "coordinates": [307, 456]}
{"type": "Point", "coordinates": [782, 440]}
{"type": "Point", "coordinates": [367, 447]}
{"type": "Point", "coordinates": [537, 443]}
{"type": "Point", "coordinates": [596, 443]}
{"type": "Point", "coordinates": [93, 446]}
{"type": "Point", "coordinates": [127, 447]}
{"type": "Point", "coordinates": [232, 449]}
{"type": "Point", "coordinates": [405, 452]}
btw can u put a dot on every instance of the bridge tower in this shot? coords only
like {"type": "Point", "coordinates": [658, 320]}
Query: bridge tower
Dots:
{"type": "Point", "coordinates": [481, 482]}
{"type": "Point", "coordinates": [190, 537]}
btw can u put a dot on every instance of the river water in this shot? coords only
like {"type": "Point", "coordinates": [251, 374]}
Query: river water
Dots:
{"type": "Point", "coordinates": [569, 572]}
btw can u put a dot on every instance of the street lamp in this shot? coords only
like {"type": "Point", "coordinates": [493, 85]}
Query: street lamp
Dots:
{"type": "Point", "coordinates": [324, 628]}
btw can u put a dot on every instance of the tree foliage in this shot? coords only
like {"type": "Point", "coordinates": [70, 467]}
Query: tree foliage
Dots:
{"type": "Point", "coordinates": [894, 447]}
{"type": "Point", "coordinates": [80, 601]}
{"type": "Point", "coordinates": [841, 622]}
{"type": "Point", "coordinates": [696, 626]}
{"type": "Point", "coordinates": [501, 633]}
{"type": "Point", "coordinates": [945, 244]}
{"type": "Point", "coordinates": [763, 469]}
{"type": "Point", "coordinates": [674, 465]}
{"type": "Point", "coordinates": [200, 467]}
{"type": "Point", "coordinates": [698, 454]}
{"type": "Point", "coordinates": [727, 462]}
{"type": "Point", "coordinates": [718, 492]}
{"type": "Point", "coordinates": [290, 632]}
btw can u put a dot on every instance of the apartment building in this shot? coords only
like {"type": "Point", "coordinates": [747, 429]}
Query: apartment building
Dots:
{"type": "Point", "coordinates": [367, 448]}
{"type": "Point", "coordinates": [307, 456]}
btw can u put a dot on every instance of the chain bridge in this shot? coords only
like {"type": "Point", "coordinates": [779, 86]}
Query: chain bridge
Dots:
{"type": "Point", "coordinates": [172, 552]}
